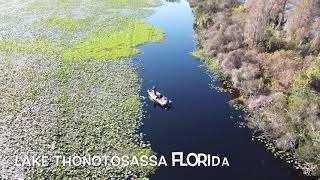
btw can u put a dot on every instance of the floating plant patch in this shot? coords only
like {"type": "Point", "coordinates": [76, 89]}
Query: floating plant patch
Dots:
{"type": "Point", "coordinates": [113, 44]}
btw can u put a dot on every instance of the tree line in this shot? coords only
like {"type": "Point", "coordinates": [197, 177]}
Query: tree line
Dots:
{"type": "Point", "coordinates": [269, 51]}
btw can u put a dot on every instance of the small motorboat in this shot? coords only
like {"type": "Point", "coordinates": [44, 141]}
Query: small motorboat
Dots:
{"type": "Point", "coordinates": [158, 98]}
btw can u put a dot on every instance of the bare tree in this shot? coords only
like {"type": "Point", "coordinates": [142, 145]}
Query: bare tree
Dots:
{"type": "Point", "coordinates": [261, 14]}
{"type": "Point", "coordinates": [302, 18]}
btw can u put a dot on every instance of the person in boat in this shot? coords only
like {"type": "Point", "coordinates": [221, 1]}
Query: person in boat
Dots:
{"type": "Point", "coordinates": [154, 88]}
{"type": "Point", "coordinates": [158, 95]}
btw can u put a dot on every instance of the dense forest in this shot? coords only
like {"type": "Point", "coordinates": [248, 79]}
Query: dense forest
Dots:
{"type": "Point", "coordinates": [269, 51]}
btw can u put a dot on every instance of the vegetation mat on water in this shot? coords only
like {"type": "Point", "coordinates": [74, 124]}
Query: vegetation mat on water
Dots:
{"type": "Point", "coordinates": [68, 88]}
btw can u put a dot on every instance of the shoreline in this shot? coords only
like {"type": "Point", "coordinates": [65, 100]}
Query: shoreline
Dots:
{"type": "Point", "coordinates": [260, 95]}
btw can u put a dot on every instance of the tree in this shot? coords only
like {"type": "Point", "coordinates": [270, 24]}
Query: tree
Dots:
{"type": "Point", "coordinates": [282, 12]}
{"type": "Point", "coordinates": [302, 18]}
{"type": "Point", "coordinates": [261, 15]}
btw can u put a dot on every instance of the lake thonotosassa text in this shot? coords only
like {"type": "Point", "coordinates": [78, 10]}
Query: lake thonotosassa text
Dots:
{"type": "Point", "coordinates": [177, 159]}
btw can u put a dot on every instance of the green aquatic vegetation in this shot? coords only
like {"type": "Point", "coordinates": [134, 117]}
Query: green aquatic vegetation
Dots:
{"type": "Point", "coordinates": [68, 3]}
{"type": "Point", "coordinates": [99, 12]}
{"type": "Point", "coordinates": [64, 72]}
{"type": "Point", "coordinates": [114, 44]}
{"type": "Point", "coordinates": [66, 30]}
{"type": "Point", "coordinates": [92, 120]}
{"type": "Point", "coordinates": [87, 107]}
{"type": "Point", "coordinates": [118, 42]}
{"type": "Point", "coordinates": [145, 151]}
{"type": "Point", "coordinates": [28, 46]}
{"type": "Point", "coordinates": [66, 24]}
{"type": "Point", "coordinates": [124, 4]}
{"type": "Point", "coordinates": [45, 6]}
{"type": "Point", "coordinates": [271, 146]}
{"type": "Point", "coordinates": [97, 7]}
{"type": "Point", "coordinates": [212, 64]}
{"type": "Point", "coordinates": [115, 23]}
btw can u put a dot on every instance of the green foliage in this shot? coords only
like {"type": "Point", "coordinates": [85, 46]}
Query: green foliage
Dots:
{"type": "Point", "coordinates": [120, 41]}
{"type": "Point", "coordinates": [114, 44]}
{"type": "Point", "coordinates": [213, 65]}
{"type": "Point", "coordinates": [145, 151]}
{"type": "Point", "coordinates": [66, 24]}
{"type": "Point", "coordinates": [105, 4]}
{"type": "Point", "coordinates": [274, 40]}
{"type": "Point", "coordinates": [123, 4]}
{"type": "Point", "coordinates": [306, 120]}
{"type": "Point", "coordinates": [203, 21]}
{"type": "Point", "coordinates": [132, 104]}
{"type": "Point", "coordinates": [240, 11]}
{"type": "Point", "coordinates": [28, 46]}
{"type": "Point", "coordinates": [292, 121]}
{"type": "Point", "coordinates": [68, 3]}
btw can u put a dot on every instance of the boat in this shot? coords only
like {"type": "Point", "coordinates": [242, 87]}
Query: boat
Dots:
{"type": "Point", "coordinates": [158, 98]}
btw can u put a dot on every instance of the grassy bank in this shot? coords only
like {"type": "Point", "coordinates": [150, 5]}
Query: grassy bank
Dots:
{"type": "Point", "coordinates": [68, 87]}
{"type": "Point", "coordinates": [269, 51]}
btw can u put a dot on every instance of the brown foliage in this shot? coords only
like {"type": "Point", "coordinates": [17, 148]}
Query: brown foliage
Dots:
{"type": "Point", "coordinates": [282, 67]}
{"type": "Point", "coordinates": [315, 44]}
{"type": "Point", "coordinates": [212, 7]}
{"type": "Point", "coordinates": [244, 70]}
{"type": "Point", "coordinates": [224, 36]}
{"type": "Point", "coordinates": [301, 20]}
{"type": "Point", "coordinates": [263, 47]}
{"type": "Point", "coordinates": [262, 14]}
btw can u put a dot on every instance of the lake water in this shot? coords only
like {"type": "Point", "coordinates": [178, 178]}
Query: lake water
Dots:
{"type": "Point", "coordinates": [201, 119]}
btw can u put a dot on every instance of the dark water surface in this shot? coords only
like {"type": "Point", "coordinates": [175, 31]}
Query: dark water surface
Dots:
{"type": "Point", "coordinates": [200, 120]}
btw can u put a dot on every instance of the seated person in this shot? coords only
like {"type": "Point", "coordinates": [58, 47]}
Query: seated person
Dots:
{"type": "Point", "coordinates": [159, 96]}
